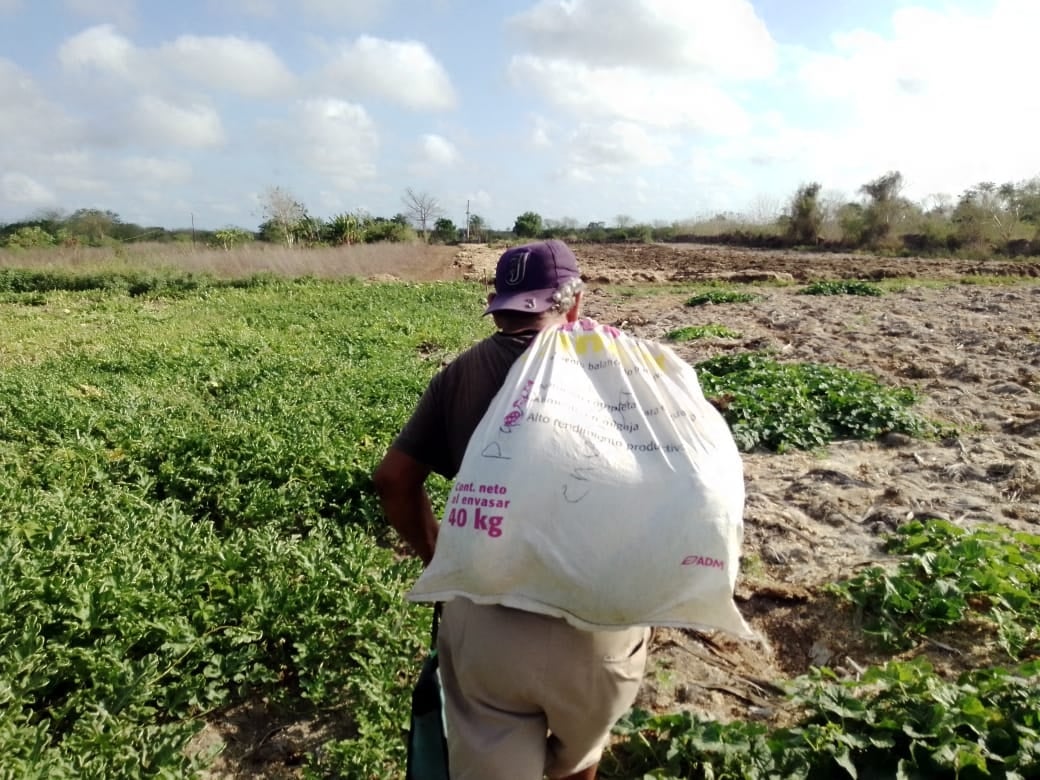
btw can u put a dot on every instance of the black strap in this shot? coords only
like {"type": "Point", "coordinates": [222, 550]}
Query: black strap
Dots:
{"type": "Point", "coordinates": [435, 624]}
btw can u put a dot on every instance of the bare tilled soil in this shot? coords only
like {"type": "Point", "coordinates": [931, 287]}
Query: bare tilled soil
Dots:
{"type": "Point", "coordinates": [972, 353]}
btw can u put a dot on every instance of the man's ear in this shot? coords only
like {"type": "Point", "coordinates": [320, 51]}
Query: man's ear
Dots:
{"type": "Point", "coordinates": [491, 297]}
{"type": "Point", "coordinates": [574, 312]}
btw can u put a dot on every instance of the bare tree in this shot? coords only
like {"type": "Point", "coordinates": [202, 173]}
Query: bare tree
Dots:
{"type": "Point", "coordinates": [422, 208]}
{"type": "Point", "coordinates": [283, 215]}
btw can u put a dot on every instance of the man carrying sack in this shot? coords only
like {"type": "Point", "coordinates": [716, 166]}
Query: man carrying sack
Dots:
{"type": "Point", "coordinates": [534, 678]}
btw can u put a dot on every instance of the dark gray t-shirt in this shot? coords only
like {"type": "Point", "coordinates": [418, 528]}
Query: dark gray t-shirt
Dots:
{"type": "Point", "coordinates": [456, 400]}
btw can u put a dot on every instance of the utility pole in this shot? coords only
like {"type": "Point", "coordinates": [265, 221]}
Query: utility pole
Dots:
{"type": "Point", "coordinates": [467, 220]}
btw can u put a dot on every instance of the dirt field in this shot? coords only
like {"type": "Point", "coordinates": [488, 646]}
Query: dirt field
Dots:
{"type": "Point", "coordinates": [972, 351]}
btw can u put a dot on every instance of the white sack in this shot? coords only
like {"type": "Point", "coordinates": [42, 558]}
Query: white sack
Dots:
{"type": "Point", "coordinates": [601, 487]}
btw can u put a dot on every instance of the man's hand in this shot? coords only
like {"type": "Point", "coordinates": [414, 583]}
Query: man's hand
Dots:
{"type": "Point", "coordinates": [400, 482]}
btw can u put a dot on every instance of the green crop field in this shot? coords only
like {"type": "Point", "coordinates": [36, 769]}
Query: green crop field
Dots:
{"type": "Point", "coordinates": [187, 524]}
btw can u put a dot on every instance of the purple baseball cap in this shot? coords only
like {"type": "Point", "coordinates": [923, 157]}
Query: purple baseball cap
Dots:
{"type": "Point", "coordinates": [528, 275]}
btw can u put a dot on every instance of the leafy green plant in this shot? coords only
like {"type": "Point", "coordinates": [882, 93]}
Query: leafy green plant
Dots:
{"type": "Point", "coordinates": [842, 287]}
{"type": "Point", "coordinates": [779, 406]}
{"type": "Point", "coordinates": [947, 575]}
{"type": "Point", "coordinates": [693, 332]}
{"type": "Point", "coordinates": [899, 720]}
{"type": "Point", "coordinates": [721, 296]}
{"type": "Point", "coordinates": [186, 514]}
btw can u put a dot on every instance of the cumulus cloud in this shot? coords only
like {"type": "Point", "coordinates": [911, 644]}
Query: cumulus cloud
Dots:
{"type": "Point", "coordinates": [438, 150]}
{"type": "Point", "coordinates": [724, 37]}
{"type": "Point", "coordinates": [403, 72]}
{"type": "Point", "coordinates": [158, 122]}
{"type": "Point", "coordinates": [154, 170]}
{"type": "Point", "coordinates": [22, 191]}
{"type": "Point", "coordinates": [102, 49]}
{"type": "Point", "coordinates": [594, 150]}
{"type": "Point", "coordinates": [232, 63]}
{"type": "Point", "coordinates": [28, 119]}
{"type": "Point", "coordinates": [940, 98]}
{"type": "Point", "coordinates": [334, 138]}
{"type": "Point", "coordinates": [665, 63]}
{"type": "Point", "coordinates": [236, 64]}
{"type": "Point", "coordinates": [624, 93]}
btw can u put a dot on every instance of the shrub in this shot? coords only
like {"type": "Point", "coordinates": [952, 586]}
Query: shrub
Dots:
{"type": "Point", "coordinates": [692, 332]}
{"type": "Point", "coordinates": [720, 296]}
{"type": "Point", "coordinates": [842, 287]}
{"type": "Point", "coordinates": [779, 406]}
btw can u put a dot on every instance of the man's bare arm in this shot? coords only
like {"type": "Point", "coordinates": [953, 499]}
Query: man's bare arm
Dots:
{"type": "Point", "coordinates": [400, 482]}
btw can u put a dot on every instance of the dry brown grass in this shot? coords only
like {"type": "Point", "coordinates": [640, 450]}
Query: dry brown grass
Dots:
{"type": "Point", "coordinates": [413, 262]}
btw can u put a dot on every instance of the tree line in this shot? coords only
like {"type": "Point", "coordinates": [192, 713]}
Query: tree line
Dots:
{"type": "Point", "coordinates": [986, 218]}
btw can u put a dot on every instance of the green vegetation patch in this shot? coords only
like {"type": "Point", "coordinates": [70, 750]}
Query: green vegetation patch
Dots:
{"type": "Point", "coordinates": [694, 332]}
{"type": "Point", "coordinates": [135, 283]}
{"type": "Point", "coordinates": [187, 520]}
{"type": "Point", "coordinates": [721, 296]}
{"type": "Point", "coordinates": [901, 720]}
{"type": "Point", "coordinates": [781, 406]}
{"type": "Point", "coordinates": [842, 287]}
{"type": "Point", "coordinates": [949, 574]}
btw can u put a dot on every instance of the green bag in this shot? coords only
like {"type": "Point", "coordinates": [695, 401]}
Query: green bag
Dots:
{"type": "Point", "coordinates": [427, 744]}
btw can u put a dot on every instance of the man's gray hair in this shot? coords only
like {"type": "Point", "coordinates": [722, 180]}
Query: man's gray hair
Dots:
{"type": "Point", "coordinates": [566, 293]}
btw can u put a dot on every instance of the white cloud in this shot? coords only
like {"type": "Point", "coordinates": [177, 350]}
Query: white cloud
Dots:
{"type": "Point", "coordinates": [101, 48]}
{"type": "Point", "coordinates": [400, 71]}
{"type": "Point", "coordinates": [939, 99]}
{"type": "Point", "coordinates": [153, 170]}
{"type": "Point", "coordinates": [29, 120]}
{"type": "Point", "coordinates": [122, 12]}
{"type": "Point", "coordinates": [438, 150]}
{"type": "Point", "coordinates": [238, 65]}
{"type": "Point", "coordinates": [723, 37]}
{"type": "Point", "coordinates": [335, 139]}
{"type": "Point", "coordinates": [624, 93]}
{"type": "Point", "coordinates": [158, 122]}
{"type": "Point", "coordinates": [20, 190]}
{"type": "Point", "coordinates": [231, 63]}
{"type": "Point", "coordinates": [595, 150]}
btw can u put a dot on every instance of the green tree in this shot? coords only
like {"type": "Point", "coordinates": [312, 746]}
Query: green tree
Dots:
{"type": "Point", "coordinates": [477, 228]}
{"type": "Point", "coordinates": [528, 225]}
{"type": "Point", "coordinates": [231, 237]}
{"type": "Point", "coordinates": [29, 237]}
{"type": "Point", "coordinates": [93, 225]}
{"type": "Point", "coordinates": [853, 223]}
{"type": "Point", "coordinates": [804, 216]}
{"type": "Point", "coordinates": [344, 229]}
{"type": "Point", "coordinates": [885, 208]}
{"type": "Point", "coordinates": [393, 230]}
{"type": "Point", "coordinates": [444, 230]}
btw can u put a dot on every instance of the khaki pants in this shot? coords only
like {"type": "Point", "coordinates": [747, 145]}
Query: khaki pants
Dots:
{"type": "Point", "coordinates": [528, 695]}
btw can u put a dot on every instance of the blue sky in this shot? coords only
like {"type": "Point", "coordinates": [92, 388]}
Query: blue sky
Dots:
{"type": "Point", "coordinates": [577, 109]}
